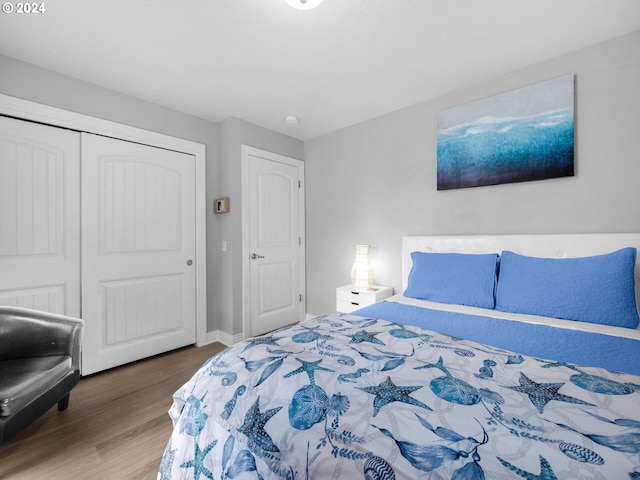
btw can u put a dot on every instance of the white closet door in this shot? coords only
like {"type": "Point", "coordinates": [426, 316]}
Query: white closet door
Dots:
{"type": "Point", "coordinates": [138, 237]}
{"type": "Point", "coordinates": [39, 217]}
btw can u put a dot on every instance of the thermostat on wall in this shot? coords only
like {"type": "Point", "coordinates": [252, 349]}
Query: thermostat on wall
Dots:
{"type": "Point", "coordinates": [221, 205]}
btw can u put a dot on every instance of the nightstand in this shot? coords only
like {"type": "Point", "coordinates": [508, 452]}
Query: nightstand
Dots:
{"type": "Point", "coordinates": [350, 298]}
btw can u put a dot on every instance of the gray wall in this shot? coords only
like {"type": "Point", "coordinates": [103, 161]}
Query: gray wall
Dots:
{"type": "Point", "coordinates": [376, 181]}
{"type": "Point", "coordinates": [235, 133]}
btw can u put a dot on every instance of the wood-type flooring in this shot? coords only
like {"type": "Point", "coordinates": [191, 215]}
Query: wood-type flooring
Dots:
{"type": "Point", "coordinates": [116, 426]}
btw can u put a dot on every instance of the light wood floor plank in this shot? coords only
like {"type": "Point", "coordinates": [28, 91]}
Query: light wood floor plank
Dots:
{"type": "Point", "coordinates": [116, 426]}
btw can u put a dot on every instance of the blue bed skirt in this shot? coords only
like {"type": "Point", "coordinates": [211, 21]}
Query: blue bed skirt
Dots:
{"type": "Point", "coordinates": [541, 341]}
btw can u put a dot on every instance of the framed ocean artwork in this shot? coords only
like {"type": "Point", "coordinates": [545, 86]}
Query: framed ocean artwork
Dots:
{"type": "Point", "coordinates": [523, 135]}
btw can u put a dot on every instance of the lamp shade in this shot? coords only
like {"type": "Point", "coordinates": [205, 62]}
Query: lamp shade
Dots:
{"type": "Point", "coordinates": [362, 272]}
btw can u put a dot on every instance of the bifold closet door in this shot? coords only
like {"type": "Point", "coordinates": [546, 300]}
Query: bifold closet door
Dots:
{"type": "Point", "coordinates": [39, 217]}
{"type": "Point", "coordinates": [138, 251]}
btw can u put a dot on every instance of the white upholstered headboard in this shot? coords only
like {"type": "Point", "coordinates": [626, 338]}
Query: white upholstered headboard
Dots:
{"type": "Point", "coordinates": [535, 245]}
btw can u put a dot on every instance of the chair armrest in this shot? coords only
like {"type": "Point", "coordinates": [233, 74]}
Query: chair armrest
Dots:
{"type": "Point", "coordinates": [28, 333]}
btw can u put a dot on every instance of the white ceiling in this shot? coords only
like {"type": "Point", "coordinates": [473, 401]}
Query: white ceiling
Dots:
{"type": "Point", "coordinates": [342, 63]}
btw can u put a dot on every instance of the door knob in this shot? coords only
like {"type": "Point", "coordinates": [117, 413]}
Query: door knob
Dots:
{"type": "Point", "coordinates": [189, 263]}
{"type": "Point", "coordinates": [254, 256]}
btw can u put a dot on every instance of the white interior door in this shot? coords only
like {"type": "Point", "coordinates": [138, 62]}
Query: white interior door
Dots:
{"type": "Point", "coordinates": [275, 255]}
{"type": "Point", "coordinates": [138, 237]}
{"type": "Point", "coordinates": [39, 217]}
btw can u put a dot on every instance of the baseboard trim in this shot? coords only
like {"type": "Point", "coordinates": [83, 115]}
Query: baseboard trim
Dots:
{"type": "Point", "coordinates": [222, 337]}
{"type": "Point", "coordinates": [228, 339]}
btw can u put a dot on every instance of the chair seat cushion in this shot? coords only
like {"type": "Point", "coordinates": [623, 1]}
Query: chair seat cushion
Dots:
{"type": "Point", "coordinates": [22, 380]}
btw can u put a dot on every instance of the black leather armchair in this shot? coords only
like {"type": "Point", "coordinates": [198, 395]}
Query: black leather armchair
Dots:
{"type": "Point", "coordinates": [39, 365]}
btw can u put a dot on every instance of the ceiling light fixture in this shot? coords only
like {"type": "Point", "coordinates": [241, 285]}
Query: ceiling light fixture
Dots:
{"type": "Point", "coordinates": [304, 4]}
{"type": "Point", "coordinates": [291, 119]}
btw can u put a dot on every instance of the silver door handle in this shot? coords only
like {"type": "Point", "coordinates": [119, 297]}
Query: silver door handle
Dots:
{"type": "Point", "coordinates": [254, 256]}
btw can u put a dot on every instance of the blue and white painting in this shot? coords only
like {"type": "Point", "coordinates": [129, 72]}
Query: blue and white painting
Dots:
{"type": "Point", "coordinates": [522, 135]}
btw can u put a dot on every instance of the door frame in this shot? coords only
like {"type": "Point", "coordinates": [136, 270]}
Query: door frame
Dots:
{"type": "Point", "coordinates": [58, 117]}
{"type": "Point", "coordinates": [247, 151]}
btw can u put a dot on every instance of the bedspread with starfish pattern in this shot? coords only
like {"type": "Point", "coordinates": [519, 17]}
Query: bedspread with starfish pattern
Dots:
{"type": "Point", "coordinates": [342, 396]}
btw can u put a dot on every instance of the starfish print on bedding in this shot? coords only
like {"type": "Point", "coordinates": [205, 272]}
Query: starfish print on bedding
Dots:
{"type": "Point", "coordinates": [542, 393]}
{"type": "Point", "coordinates": [387, 392]}
{"type": "Point", "coordinates": [198, 461]}
{"type": "Point", "coordinates": [265, 340]}
{"type": "Point", "coordinates": [253, 426]}
{"type": "Point", "coordinates": [364, 336]}
{"type": "Point", "coordinates": [310, 368]}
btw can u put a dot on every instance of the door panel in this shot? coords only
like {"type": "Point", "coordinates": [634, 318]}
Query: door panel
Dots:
{"type": "Point", "coordinates": [275, 239]}
{"type": "Point", "coordinates": [49, 299]}
{"type": "Point", "coordinates": [138, 227]}
{"type": "Point", "coordinates": [126, 300]}
{"type": "Point", "coordinates": [275, 284]}
{"type": "Point", "coordinates": [40, 217]}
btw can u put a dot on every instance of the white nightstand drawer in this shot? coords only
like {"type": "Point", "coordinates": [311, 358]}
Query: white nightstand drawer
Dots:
{"type": "Point", "coordinates": [349, 294]}
{"type": "Point", "coordinates": [350, 298]}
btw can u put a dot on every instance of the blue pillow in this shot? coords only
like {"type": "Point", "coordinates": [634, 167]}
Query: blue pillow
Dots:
{"type": "Point", "coordinates": [464, 279]}
{"type": "Point", "coordinates": [598, 289]}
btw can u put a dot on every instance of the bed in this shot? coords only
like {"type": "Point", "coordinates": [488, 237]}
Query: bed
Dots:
{"type": "Point", "coordinates": [459, 377]}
